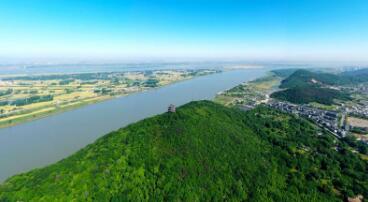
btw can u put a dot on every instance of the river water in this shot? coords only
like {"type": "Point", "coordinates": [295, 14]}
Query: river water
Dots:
{"type": "Point", "coordinates": [44, 141]}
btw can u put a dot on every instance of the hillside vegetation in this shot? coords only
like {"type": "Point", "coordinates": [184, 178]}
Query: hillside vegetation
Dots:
{"type": "Point", "coordinates": [304, 95]}
{"type": "Point", "coordinates": [356, 76]}
{"type": "Point", "coordinates": [204, 151]}
{"type": "Point", "coordinates": [304, 86]}
{"type": "Point", "coordinates": [305, 78]}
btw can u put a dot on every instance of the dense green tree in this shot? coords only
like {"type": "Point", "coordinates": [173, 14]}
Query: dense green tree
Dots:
{"type": "Point", "coordinates": [304, 95]}
{"type": "Point", "coordinates": [207, 152]}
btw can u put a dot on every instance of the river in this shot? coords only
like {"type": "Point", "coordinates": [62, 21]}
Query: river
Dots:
{"type": "Point", "coordinates": [41, 142]}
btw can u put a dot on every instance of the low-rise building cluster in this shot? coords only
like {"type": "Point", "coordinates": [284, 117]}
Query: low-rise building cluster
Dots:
{"type": "Point", "coordinates": [328, 120]}
{"type": "Point", "coordinates": [360, 109]}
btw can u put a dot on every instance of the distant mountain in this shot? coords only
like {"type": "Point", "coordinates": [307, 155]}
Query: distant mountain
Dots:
{"type": "Point", "coordinates": [283, 73]}
{"type": "Point", "coordinates": [305, 86]}
{"type": "Point", "coordinates": [356, 76]}
{"type": "Point", "coordinates": [304, 95]}
{"type": "Point", "coordinates": [304, 78]}
{"type": "Point", "coordinates": [203, 151]}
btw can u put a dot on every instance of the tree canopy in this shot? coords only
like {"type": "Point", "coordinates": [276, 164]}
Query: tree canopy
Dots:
{"type": "Point", "coordinates": [204, 151]}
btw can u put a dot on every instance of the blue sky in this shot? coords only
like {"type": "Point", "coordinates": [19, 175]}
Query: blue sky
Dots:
{"type": "Point", "coordinates": [228, 29]}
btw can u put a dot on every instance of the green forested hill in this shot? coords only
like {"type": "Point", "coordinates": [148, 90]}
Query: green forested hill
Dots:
{"type": "Point", "coordinates": [356, 76]}
{"type": "Point", "coordinates": [305, 78]}
{"type": "Point", "coordinates": [305, 86]}
{"type": "Point", "coordinates": [304, 95]}
{"type": "Point", "coordinates": [206, 152]}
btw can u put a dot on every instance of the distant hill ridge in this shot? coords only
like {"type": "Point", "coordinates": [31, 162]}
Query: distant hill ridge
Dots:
{"type": "Point", "coordinates": [305, 78]}
{"type": "Point", "coordinates": [305, 86]}
{"type": "Point", "coordinates": [304, 95]}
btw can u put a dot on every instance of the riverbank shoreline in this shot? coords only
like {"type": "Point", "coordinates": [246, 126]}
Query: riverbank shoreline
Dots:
{"type": "Point", "coordinates": [53, 109]}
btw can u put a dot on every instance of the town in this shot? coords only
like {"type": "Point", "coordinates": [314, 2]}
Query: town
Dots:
{"type": "Point", "coordinates": [328, 120]}
{"type": "Point", "coordinates": [341, 120]}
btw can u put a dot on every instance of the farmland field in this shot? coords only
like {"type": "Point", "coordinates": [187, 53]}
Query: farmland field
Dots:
{"type": "Point", "coordinates": [29, 97]}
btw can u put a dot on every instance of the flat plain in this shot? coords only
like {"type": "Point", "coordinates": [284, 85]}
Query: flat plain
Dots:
{"type": "Point", "coordinates": [28, 97]}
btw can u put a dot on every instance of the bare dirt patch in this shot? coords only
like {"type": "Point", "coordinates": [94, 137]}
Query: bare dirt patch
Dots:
{"type": "Point", "coordinates": [357, 122]}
